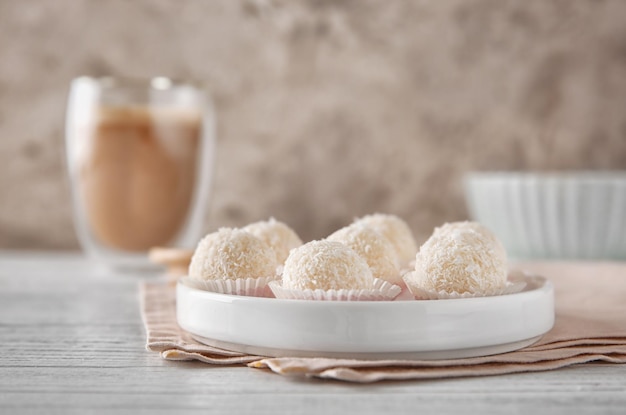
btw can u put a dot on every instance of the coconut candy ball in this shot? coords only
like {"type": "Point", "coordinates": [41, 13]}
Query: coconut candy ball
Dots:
{"type": "Point", "coordinates": [232, 254]}
{"type": "Point", "coordinates": [374, 248]}
{"type": "Point", "coordinates": [461, 257]}
{"type": "Point", "coordinates": [280, 237]}
{"type": "Point", "coordinates": [396, 231]}
{"type": "Point", "coordinates": [326, 265]}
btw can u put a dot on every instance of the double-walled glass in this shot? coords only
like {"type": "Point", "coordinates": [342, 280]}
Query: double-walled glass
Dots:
{"type": "Point", "coordinates": [140, 158]}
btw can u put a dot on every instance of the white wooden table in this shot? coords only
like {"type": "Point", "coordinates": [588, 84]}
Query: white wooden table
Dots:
{"type": "Point", "coordinates": [71, 340]}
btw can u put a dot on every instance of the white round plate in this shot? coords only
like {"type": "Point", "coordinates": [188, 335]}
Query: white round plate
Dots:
{"type": "Point", "coordinates": [430, 329]}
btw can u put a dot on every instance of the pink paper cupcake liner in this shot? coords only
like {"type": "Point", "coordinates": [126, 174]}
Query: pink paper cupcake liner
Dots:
{"type": "Point", "coordinates": [512, 286]}
{"type": "Point", "coordinates": [249, 287]}
{"type": "Point", "coordinates": [382, 291]}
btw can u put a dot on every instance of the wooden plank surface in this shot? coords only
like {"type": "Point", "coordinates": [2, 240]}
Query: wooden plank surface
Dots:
{"type": "Point", "coordinates": [71, 341]}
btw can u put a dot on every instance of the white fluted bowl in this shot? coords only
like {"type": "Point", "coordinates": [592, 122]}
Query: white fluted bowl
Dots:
{"type": "Point", "coordinates": [573, 215]}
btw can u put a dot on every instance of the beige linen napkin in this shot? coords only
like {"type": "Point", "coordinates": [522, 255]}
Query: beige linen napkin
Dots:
{"type": "Point", "coordinates": [590, 326]}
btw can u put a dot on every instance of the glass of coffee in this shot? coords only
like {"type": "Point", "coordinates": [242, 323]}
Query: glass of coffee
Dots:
{"type": "Point", "coordinates": [140, 159]}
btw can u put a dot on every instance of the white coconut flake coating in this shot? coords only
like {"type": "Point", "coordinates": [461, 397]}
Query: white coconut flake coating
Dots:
{"type": "Point", "coordinates": [326, 265]}
{"type": "Point", "coordinates": [374, 248]}
{"type": "Point", "coordinates": [232, 254]}
{"type": "Point", "coordinates": [280, 237]}
{"type": "Point", "coordinates": [396, 231]}
{"type": "Point", "coordinates": [462, 257]}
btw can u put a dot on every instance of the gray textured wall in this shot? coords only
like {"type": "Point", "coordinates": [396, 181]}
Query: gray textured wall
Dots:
{"type": "Point", "coordinates": [327, 109]}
